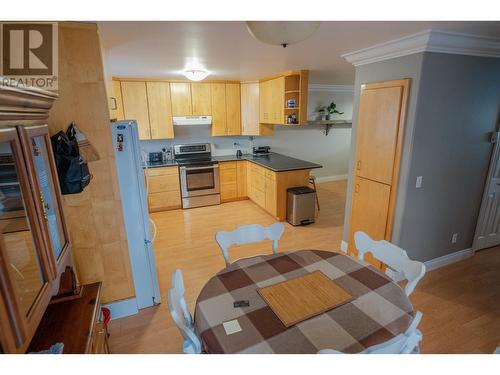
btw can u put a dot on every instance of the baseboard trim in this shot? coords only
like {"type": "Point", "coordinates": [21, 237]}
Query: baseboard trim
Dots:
{"type": "Point", "coordinates": [448, 259]}
{"type": "Point", "coordinates": [337, 177]}
{"type": "Point", "coordinates": [123, 308]}
{"type": "Point", "coordinates": [343, 246]}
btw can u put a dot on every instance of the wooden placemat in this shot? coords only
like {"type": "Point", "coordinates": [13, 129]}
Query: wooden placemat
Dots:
{"type": "Point", "coordinates": [301, 298]}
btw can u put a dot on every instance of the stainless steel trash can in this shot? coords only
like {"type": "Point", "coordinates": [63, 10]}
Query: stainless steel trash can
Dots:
{"type": "Point", "coordinates": [301, 205]}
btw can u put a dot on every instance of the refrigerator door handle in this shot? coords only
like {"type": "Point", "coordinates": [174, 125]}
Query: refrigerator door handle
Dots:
{"type": "Point", "coordinates": [154, 230]}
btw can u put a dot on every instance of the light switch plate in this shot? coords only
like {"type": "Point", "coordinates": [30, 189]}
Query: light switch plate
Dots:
{"type": "Point", "coordinates": [418, 183]}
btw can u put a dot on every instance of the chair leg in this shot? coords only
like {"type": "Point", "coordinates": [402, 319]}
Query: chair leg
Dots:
{"type": "Point", "coordinates": [313, 182]}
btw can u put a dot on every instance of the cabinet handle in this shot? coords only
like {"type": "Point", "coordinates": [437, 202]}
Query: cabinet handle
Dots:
{"type": "Point", "coordinates": [356, 188]}
{"type": "Point", "coordinates": [358, 165]}
{"type": "Point", "coordinates": [45, 206]}
{"type": "Point", "coordinates": [115, 106]}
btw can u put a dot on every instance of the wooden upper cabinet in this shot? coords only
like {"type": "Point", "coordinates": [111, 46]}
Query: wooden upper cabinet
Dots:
{"type": "Point", "coordinates": [377, 132]}
{"type": "Point", "coordinates": [180, 95]}
{"type": "Point", "coordinates": [201, 102]}
{"type": "Point", "coordinates": [250, 111]}
{"type": "Point", "coordinates": [233, 109]}
{"type": "Point", "coordinates": [116, 103]}
{"type": "Point", "coordinates": [160, 110]}
{"type": "Point", "coordinates": [264, 117]}
{"type": "Point", "coordinates": [135, 106]}
{"type": "Point", "coordinates": [278, 100]}
{"type": "Point", "coordinates": [218, 98]}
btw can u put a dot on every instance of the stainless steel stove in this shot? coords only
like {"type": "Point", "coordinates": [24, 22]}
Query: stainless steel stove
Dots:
{"type": "Point", "coordinates": [199, 175]}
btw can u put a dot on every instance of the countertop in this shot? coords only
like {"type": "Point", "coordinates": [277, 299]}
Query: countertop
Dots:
{"type": "Point", "coordinates": [273, 161]}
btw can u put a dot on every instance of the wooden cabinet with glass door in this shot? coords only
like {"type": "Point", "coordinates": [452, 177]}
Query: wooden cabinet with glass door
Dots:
{"type": "Point", "coordinates": [34, 244]}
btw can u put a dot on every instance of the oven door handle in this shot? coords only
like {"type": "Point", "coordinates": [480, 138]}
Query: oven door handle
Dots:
{"type": "Point", "coordinates": [197, 168]}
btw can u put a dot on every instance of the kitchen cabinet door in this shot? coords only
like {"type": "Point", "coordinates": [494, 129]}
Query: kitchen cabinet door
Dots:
{"type": "Point", "coordinates": [264, 97]}
{"type": "Point", "coordinates": [233, 109]}
{"type": "Point", "coordinates": [160, 110]}
{"type": "Point", "coordinates": [277, 93]}
{"type": "Point", "coordinates": [271, 195]}
{"type": "Point", "coordinates": [377, 132]}
{"type": "Point", "coordinates": [116, 103]}
{"type": "Point", "coordinates": [135, 106]}
{"type": "Point", "coordinates": [250, 111]}
{"type": "Point", "coordinates": [201, 99]}
{"type": "Point", "coordinates": [180, 95]}
{"type": "Point", "coordinates": [241, 177]}
{"type": "Point", "coordinates": [370, 207]}
{"type": "Point", "coordinates": [218, 98]}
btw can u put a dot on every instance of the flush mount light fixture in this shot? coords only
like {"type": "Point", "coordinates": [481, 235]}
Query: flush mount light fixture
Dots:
{"type": "Point", "coordinates": [282, 32]}
{"type": "Point", "coordinates": [195, 74]}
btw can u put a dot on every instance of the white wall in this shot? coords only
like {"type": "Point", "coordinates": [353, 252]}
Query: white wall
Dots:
{"type": "Point", "coordinates": [303, 142]}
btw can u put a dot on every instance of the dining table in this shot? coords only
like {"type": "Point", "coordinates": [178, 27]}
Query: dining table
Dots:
{"type": "Point", "coordinates": [378, 311]}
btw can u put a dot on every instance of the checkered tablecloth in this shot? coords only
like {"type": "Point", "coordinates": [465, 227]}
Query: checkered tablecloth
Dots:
{"type": "Point", "coordinates": [380, 309]}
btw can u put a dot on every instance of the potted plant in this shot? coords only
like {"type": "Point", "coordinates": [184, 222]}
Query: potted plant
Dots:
{"type": "Point", "coordinates": [331, 109]}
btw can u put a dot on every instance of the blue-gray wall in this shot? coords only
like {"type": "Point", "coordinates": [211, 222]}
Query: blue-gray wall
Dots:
{"type": "Point", "coordinates": [454, 105]}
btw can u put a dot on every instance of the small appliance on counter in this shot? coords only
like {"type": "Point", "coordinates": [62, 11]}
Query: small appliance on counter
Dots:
{"type": "Point", "coordinates": [301, 207]}
{"type": "Point", "coordinates": [261, 150]}
{"type": "Point", "coordinates": [155, 157]}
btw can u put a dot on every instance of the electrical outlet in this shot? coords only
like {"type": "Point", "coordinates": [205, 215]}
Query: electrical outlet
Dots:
{"type": "Point", "coordinates": [454, 238]}
{"type": "Point", "coordinates": [418, 183]}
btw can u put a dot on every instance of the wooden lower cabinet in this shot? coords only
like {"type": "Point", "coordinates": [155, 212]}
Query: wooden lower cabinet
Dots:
{"type": "Point", "coordinates": [370, 207]}
{"type": "Point", "coordinates": [268, 189]}
{"type": "Point", "coordinates": [76, 322]}
{"type": "Point", "coordinates": [233, 180]}
{"type": "Point", "coordinates": [164, 189]}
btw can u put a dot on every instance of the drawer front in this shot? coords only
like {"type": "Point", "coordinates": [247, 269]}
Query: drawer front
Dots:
{"type": "Point", "coordinates": [228, 191]}
{"type": "Point", "coordinates": [164, 201]}
{"type": "Point", "coordinates": [161, 171]}
{"type": "Point", "coordinates": [167, 182]}
{"type": "Point", "coordinates": [227, 165]}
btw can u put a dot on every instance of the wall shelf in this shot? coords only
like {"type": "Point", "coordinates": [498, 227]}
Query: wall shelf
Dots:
{"type": "Point", "coordinates": [331, 123]}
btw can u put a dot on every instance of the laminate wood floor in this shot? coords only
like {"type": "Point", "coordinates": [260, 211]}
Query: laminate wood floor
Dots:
{"type": "Point", "coordinates": [461, 302]}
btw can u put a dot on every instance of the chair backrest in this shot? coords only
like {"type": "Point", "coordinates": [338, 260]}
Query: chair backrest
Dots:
{"type": "Point", "coordinates": [249, 234]}
{"type": "Point", "coordinates": [178, 286]}
{"type": "Point", "coordinates": [192, 344]}
{"type": "Point", "coordinates": [404, 343]}
{"type": "Point", "coordinates": [393, 256]}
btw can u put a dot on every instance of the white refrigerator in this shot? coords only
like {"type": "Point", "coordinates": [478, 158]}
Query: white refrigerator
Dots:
{"type": "Point", "coordinates": [138, 224]}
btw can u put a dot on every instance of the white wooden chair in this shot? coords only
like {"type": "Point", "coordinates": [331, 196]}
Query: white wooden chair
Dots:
{"type": "Point", "coordinates": [177, 307]}
{"type": "Point", "coordinates": [394, 257]}
{"type": "Point", "coordinates": [405, 343]}
{"type": "Point", "coordinates": [249, 234]}
{"type": "Point", "coordinates": [178, 286]}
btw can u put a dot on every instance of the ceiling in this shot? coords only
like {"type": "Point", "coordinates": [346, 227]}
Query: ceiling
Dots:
{"type": "Point", "coordinates": [228, 51]}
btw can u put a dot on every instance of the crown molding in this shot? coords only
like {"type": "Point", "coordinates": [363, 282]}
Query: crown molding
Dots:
{"type": "Point", "coordinates": [330, 88]}
{"type": "Point", "coordinates": [427, 41]}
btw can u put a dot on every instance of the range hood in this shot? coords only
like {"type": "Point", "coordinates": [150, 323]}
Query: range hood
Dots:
{"type": "Point", "coordinates": [192, 120]}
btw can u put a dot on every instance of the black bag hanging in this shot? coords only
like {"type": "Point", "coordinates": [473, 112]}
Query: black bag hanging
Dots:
{"type": "Point", "coordinates": [72, 170]}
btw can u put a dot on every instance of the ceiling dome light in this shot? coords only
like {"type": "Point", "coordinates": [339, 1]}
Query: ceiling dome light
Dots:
{"type": "Point", "coordinates": [282, 32]}
{"type": "Point", "coordinates": [195, 74]}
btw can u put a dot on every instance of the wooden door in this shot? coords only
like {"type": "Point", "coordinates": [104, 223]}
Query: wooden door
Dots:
{"type": "Point", "coordinates": [233, 109]}
{"type": "Point", "coordinates": [201, 99]}
{"type": "Point", "coordinates": [180, 95]}
{"type": "Point", "coordinates": [218, 98]}
{"type": "Point", "coordinates": [271, 194]}
{"type": "Point", "coordinates": [135, 106]}
{"type": "Point", "coordinates": [241, 177]}
{"type": "Point", "coordinates": [377, 131]}
{"type": "Point", "coordinates": [160, 110]}
{"type": "Point", "coordinates": [250, 111]}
